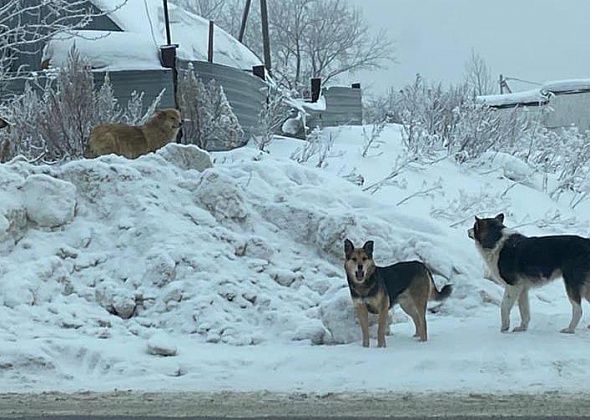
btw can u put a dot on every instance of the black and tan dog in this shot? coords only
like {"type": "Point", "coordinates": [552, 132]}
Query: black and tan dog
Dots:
{"type": "Point", "coordinates": [376, 289]}
{"type": "Point", "coordinates": [519, 262]}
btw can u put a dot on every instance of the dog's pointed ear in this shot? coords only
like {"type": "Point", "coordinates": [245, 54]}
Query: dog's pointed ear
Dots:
{"type": "Point", "coordinates": [500, 218]}
{"type": "Point", "coordinates": [368, 248]}
{"type": "Point", "coordinates": [348, 248]}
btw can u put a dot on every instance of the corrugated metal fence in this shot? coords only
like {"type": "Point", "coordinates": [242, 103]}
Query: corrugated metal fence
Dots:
{"type": "Point", "coordinates": [344, 106]}
{"type": "Point", "coordinates": [245, 92]}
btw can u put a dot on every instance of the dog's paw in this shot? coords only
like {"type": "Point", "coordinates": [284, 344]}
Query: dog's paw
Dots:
{"type": "Point", "coordinates": [505, 329]}
{"type": "Point", "coordinates": [381, 345]}
{"type": "Point", "coordinates": [366, 344]}
{"type": "Point", "coordinates": [567, 331]}
{"type": "Point", "coordinates": [520, 328]}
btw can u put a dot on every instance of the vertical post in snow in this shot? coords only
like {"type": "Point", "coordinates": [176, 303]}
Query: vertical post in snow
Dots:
{"type": "Point", "coordinates": [316, 88]}
{"type": "Point", "coordinates": [244, 21]}
{"type": "Point", "coordinates": [265, 35]}
{"type": "Point", "coordinates": [501, 84]}
{"type": "Point", "coordinates": [210, 47]}
{"type": "Point", "coordinates": [167, 22]}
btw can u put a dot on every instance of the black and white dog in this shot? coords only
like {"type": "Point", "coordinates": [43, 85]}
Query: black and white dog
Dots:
{"type": "Point", "coordinates": [520, 262]}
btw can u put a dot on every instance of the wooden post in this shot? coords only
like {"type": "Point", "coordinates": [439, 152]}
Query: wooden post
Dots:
{"type": "Point", "coordinates": [258, 71]}
{"type": "Point", "coordinates": [211, 34]}
{"type": "Point", "coordinates": [167, 22]}
{"type": "Point", "coordinates": [265, 35]}
{"type": "Point", "coordinates": [316, 86]}
{"type": "Point", "coordinates": [244, 21]}
{"type": "Point", "coordinates": [501, 85]}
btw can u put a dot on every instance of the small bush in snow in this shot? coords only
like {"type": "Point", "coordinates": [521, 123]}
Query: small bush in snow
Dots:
{"type": "Point", "coordinates": [317, 144]}
{"type": "Point", "coordinates": [271, 117]}
{"type": "Point", "coordinates": [210, 123]}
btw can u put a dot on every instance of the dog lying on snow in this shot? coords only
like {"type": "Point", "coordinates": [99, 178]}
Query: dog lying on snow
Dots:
{"type": "Point", "coordinates": [134, 141]}
{"type": "Point", "coordinates": [519, 262]}
{"type": "Point", "coordinates": [376, 289]}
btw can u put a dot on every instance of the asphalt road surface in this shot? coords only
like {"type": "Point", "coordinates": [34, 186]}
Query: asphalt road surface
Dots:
{"type": "Point", "coordinates": [133, 405]}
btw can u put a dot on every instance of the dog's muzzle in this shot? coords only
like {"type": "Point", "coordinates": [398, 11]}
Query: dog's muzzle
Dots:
{"type": "Point", "coordinates": [470, 233]}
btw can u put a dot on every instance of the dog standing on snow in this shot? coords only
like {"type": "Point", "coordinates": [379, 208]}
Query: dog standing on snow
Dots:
{"type": "Point", "coordinates": [519, 262]}
{"type": "Point", "coordinates": [376, 289]}
{"type": "Point", "coordinates": [134, 141]}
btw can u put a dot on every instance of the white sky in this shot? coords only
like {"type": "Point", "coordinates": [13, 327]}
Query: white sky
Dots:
{"type": "Point", "coordinates": [535, 40]}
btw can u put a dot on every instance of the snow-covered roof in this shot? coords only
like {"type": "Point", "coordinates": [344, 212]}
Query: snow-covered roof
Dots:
{"type": "Point", "coordinates": [529, 97]}
{"type": "Point", "coordinates": [98, 47]}
{"type": "Point", "coordinates": [567, 86]}
{"type": "Point", "coordinates": [144, 32]}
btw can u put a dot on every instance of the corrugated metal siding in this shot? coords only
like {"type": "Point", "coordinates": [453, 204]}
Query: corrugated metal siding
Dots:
{"type": "Point", "coordinates": [150, 82]}
{"type": "Point", "coordinates": [344, 106]}
{"type": "Point", "coordinates": [245, 92]}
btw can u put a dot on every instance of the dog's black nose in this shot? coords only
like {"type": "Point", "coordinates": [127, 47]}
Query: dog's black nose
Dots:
{"type": "Point", "coordinates": [360, 267]}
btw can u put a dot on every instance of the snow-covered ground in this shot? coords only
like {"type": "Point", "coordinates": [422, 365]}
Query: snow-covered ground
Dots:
{"type": "Point", "coordinates": [235, 272]}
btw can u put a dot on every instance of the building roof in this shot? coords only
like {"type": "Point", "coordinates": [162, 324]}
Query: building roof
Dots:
{"type": "Point", "coordinates": [137, 47]}
{"type": "Point", "coordinates": [526, 98]}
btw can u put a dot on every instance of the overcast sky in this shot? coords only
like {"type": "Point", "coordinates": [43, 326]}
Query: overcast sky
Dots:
{"type": "Point", "coordinates": [535, 40]}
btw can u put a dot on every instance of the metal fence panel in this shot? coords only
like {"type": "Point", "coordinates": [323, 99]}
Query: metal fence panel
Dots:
{"type": "Point", "coordinates": [344, 106]}
{"type": "Point", "coordinates": [245, 92]}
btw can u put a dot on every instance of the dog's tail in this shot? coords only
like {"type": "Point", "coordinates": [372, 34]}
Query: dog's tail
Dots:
{"type": "Point", "coordinates": [444, 293]}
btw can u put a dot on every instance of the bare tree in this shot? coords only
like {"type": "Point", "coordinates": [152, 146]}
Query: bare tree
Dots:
{"type": "Point", "coordinates": [478, 75]}
{"type": "Point", "coordinates": [340, 41]}
{"type": "Point", "coordinates": [310, 38]}
{"type": "Point", "coordinates": [25, 26]}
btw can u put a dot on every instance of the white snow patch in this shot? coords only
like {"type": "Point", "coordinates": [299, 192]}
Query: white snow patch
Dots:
{"type": "Point", "coordinates": [49, 202]}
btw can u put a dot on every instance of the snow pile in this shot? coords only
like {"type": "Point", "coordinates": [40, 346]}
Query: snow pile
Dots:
{"type": "Point", "coordinates": [241, 253]}
{"type": "Point", "coordinates": [234, 271]}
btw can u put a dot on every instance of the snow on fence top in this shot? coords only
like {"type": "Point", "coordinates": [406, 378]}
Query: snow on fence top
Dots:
{"type": "Point", "coordinates": [530, 98]}
{"type": "Point", "coordinates": [144, 32]}
{"type": "Point", "coordinates": [567, 86]}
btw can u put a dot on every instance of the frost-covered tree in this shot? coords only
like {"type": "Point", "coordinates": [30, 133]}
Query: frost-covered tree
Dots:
{"type": "Point", "coordinates": [478, 75]}
{"type": "Point", "coordinates": [224, 130]}
{"type": "Point", "coordinates": [210, 122]}
{"type": "Point", "coordinates": [271, 117]}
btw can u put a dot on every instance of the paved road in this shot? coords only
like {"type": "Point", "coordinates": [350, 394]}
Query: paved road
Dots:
{"type": "Point", "coordinates": [129, 405]}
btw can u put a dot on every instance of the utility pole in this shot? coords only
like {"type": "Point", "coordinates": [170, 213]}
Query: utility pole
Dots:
{"type": "Point", "coordinates": [244, 20]}
{"type": "Point", "coordinates": [167, 21]}
{"type": "Point", "coordinates": [265, 35]}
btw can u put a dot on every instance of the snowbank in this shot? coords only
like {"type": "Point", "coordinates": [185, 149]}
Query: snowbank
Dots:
{"type": "Point", "coordinates": [234, 271]}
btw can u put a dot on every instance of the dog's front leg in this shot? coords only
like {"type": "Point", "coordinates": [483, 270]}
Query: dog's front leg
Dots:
{"type": "Point", "coordinates": [363, 315]}
{"type": "Point", "coordinates": [525, 312]}
{"type": "Point", "coordinates": [510, 295]}
{"type": "Point", "coordinates": [383, 315]}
